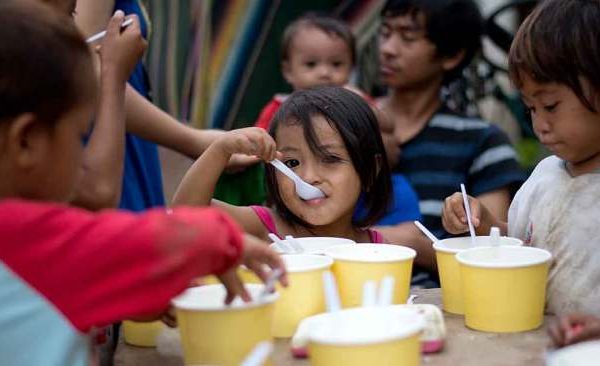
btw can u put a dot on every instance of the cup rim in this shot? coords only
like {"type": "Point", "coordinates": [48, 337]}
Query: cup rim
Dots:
{"type": "Point", "coordinates": [413, 323]}
{"type": "Point", "coordinates": [544, 256]}
{"type": "Point", "coordinates": [401, 253]}
{"type": "Point", "coordinates": [182, 302]}
{"type": "Point", "coordinates": [320, 262]}
{"type": "Point", "coordinates": [439, 245]}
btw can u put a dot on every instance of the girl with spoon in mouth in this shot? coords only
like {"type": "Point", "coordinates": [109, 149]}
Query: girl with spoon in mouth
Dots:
{"type": "Point", "coordinates": [327, 136]}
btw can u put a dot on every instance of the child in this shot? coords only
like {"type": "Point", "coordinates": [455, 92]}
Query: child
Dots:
{"type": "Point", "coordinates": [64, 270]}
{"type": "Point", "coordinates": [316, 50]}
{"type": "Point", "coordinates": [423, 46]}
{"type": "Point", "coordinates": [556, 67]}
{"type": "Point", "coordinates": [329, 137]}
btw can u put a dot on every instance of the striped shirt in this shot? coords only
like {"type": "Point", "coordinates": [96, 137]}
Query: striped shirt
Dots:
{"type": "Point", "coordinates": [451, 150]}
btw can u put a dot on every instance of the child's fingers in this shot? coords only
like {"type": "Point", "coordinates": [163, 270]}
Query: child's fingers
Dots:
{"type": "Point", "coordinates": [475, 211]}
{"type": "Point", "coordinates": [114, 25]}
{"type": "Point", "coordinates": [234, 286]}
{"type": "Point", "coordinates": [454, 215]}
{"type": "Point", "coordinates": [258, 269]}
{"type": "Point", "coordinates": [556, 334]}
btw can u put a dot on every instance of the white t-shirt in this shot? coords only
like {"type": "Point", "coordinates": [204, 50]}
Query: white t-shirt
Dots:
{"type": "Point", "coordinates": [561, 213]}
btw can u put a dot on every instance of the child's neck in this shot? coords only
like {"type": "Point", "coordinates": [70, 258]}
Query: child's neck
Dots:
{"type": "Point", "coordinates": [411, 109]}
{"type": "Point", "coordinates": [590, 165]}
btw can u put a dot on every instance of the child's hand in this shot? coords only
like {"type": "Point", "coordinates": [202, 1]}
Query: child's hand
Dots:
{"type": "Point", "coordinates": [454, 216]}
{"type": "Point", "coordinates": [252, 141]}
{"type": "Point", "coordinates": [122, 48]}
{"type": "Point", "coordinates": [574, 328]}
{"type": "Point", "coordinates": [256, 254]}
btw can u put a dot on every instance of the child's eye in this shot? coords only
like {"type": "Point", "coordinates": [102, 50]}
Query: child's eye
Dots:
{"type": "Point", "coordinates": [310, 64]}
{"type": "Point", "coordinates": [291, 163]}
{"type": "Point", "coordinates": [408, 37]}
{"type": "Point", "coordinates": [550, 108]}
{"type": "Point", "coordinates": [337, 64]}
{"type": "Point", "coordinates": [384, 31]}
{"type": "Point", "coordinates": [331, 159]}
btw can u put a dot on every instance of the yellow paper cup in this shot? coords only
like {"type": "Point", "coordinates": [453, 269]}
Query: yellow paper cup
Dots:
{"type": "Point", "coordinates": [355, 264]}
{"type": "Point", "coordinates": [304, 297]}
{"type": "Point", "coordinates": [315, 244]}
{"type": "Point", "coordinates": [449, 270]}
{"type": "Point", "coordinates": [216, 334]}
{"type": "Point", "coordinates": [141, 334]}
{"type": "Point", "coordinates": [367, 336]}
{"type": "Point", "coordinates": [504, 288]}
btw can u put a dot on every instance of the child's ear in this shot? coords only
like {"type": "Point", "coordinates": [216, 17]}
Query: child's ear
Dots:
{"type": "Point", "coordinates": [27, 141]}
{"type": "Point", "coordinates": [449, 63]}
{"type": "Point", "coordinates": [287, 72]}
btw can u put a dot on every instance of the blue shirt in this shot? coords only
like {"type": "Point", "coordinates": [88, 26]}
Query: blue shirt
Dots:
{"type": "Point", "coordinates": [142, 177]}
{"type": "Point", "coordinates": [404, 206]}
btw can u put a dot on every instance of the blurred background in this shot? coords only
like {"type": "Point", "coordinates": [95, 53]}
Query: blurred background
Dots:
{"type": "Point", "coordinates": [215, 64]}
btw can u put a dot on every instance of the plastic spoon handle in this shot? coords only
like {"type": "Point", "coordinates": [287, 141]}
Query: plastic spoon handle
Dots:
{"type": "Point", "coordinates": [270, 284]}
{"type": "Point", "coordinates": [332, 298]}
{"type": "Point", "coordinates": [294, 243]}
{"type": "Point", "coordinates": [425, 231]}
{"type": "Point", "coordinates": [284, 169]}
{"type": "Point", "coordinates": [495, 236]}
{"type": "Point", "coordinates": [258, 355]}
{"type": "Point", "coordinates": [102, 34]}
{"type": "Point", "coordinates": [386, 291]}
{"type": "Point", "coordinates": [280, 243]}
{"type": "Point", "coordinates": [468, 211]}
{"type": "Point", "coordinates": [369, 294]}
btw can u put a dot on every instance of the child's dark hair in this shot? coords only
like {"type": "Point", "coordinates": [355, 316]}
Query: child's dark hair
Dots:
{"type": "Point", "coordinates": [45, 65]}
{"type": "Point", "coordinates": [348, 114]}
{"type": "Point", "coordinates": [327, 23]}
{"type": "Point", "coordinates": [560, 42]}
{"type": "Point", "coordinates": [451, 25]}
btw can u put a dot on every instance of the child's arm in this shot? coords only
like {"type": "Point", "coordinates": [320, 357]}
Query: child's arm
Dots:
{"type": "Point", "coordinates": [103, 157]}
{"type": "Point", "coordinates": [198, 184]}
{"type": "Point", "coordinates": [143, 118]}
{"type": "Point", "coordinates": [98, 269]}
{"type": "Point", "coordinates": [454, 217]}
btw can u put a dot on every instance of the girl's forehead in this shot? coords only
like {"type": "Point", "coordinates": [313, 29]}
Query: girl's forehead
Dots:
{"type": "Point", "coordinates": [294, 132]}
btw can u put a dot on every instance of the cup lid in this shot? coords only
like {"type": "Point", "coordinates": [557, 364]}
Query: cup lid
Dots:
{"type": "Point", "coordinates": [503, 257]}
{"type": "Point", "coordinates": [367, 325]}
{"type": "Point", "coordinates": [371, 253]}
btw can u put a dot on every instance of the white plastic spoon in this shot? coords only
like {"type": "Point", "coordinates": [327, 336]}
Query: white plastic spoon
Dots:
{"type": "Point", "coordinates": [303, 189]}
{"type": "Point", "coordinates": [468, 211]}
{"type": "Point", "coordinates": [259, 354]}
{"type": "Point", "coordinates": [386, 291]}
{"type": "Point", "coordinates": [102, 34]}
{"type": "Point", "coordinates": [425, 231]}
{"type": "Point", "coordinates": [369, 294]}
{"type": "Point", "coordinates": [294, 244]}
{"type": "Point", "coordinates": [270, 283]}
{"type": "Point", "coordinates": [495, 236]}
{"type": "Point", "coordinates": [287, 249]}
{"type": "Point", "coordinates": [332, 298]}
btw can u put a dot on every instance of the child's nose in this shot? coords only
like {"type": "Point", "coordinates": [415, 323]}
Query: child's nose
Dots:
{"type": "Point", "coordinates": [310, 173]}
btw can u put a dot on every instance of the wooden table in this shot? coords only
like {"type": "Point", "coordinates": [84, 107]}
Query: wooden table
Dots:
{"type": "Point", "coordinates": [463, 346]}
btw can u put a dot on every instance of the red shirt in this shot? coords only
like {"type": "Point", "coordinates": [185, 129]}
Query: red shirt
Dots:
{"type": "Point", "coordinates": [100, 268]}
